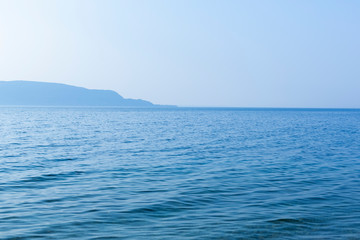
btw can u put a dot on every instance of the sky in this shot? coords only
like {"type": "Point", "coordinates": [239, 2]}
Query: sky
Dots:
{"type": "Point", "coordinates": [220, 53]}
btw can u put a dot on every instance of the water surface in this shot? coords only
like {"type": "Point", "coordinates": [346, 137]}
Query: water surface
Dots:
{"type": "Point", "coordinates": [112, 173]}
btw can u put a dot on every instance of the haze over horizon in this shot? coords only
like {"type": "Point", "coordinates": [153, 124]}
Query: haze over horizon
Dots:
{"type": "Point", "coordinates": [189, 53]}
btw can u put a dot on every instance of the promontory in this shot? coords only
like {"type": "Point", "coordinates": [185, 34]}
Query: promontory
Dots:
{"type": "Point", "coordinates": [32, 93]}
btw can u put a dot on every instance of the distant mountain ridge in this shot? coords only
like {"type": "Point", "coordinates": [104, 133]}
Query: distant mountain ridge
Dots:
{"type": "Point", "coordinates": [58, 94]}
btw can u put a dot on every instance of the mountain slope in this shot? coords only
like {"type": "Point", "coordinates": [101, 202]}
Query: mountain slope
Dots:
{"type": "Point", "coordinates": [57, 94]}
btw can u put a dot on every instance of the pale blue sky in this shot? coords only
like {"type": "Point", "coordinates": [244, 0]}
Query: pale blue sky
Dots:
{"type": "Point", "coordinates": [303, 53]}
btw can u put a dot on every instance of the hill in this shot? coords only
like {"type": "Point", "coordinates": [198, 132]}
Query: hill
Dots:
{"type": "Point", "coordinates": [57, 94]}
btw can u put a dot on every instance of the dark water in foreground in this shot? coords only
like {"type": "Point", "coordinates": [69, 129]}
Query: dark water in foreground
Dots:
{"type": "Point", "coordinates": [92, 173]}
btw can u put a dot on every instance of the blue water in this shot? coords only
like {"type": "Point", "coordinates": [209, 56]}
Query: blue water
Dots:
{"type": "Point", "coordinates": [111, 173]}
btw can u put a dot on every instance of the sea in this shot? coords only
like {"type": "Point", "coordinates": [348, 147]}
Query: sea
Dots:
{"type": "Point", "coordinates": [179, 173]}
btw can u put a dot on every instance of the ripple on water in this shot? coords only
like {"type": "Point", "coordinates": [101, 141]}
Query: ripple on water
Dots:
{"type": "Point", "coordinates": [109, 173]}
